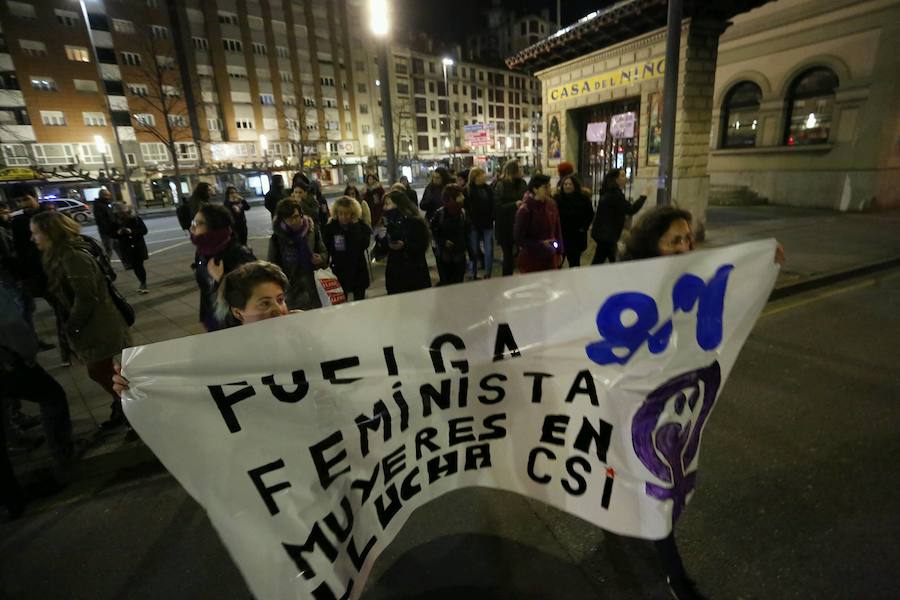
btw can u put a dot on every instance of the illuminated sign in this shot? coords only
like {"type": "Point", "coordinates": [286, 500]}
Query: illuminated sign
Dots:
{"type": "Point", "coordinates": [625, 75]}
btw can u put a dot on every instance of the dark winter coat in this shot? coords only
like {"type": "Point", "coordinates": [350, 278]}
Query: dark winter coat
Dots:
{"type": "Point", "coordinates": [234, 255]}
{"type": "Point", "coordinates": [374, 198]}
{"type": "Point", "coordinates": [104, 218]}
{"type": "Point", "coordinates": [480, 206]}
{"type": "Point", "coordinates": [453, 229]}
{"type": "Point", "coordinates": [273, 197]}
{"type": "Point", "coordinates": [132, 248]}
{"type": "Point", "coordinates": [432, 200]}
{"type": "Point", "coordinates": [29, 268]}
{"type": "Point", "coordinates": [238, 210]}
{"type": "Point", "coordinates": [347, 249]}
{"type": "Point", "coordinates": [93, 324]}
{"type": "Point", "coordinates": [406, 269]}
{"type": "Point", "coordinates": [537, 221]}
{"type": "Point", "coordinates": [612, 209]}
{"type": "Point", "coordinates": [506, 194]}
{"type": "Point", "coordinates": [411, 194]}
{"type": "Point", "coordinates": [575, 216]}
{"type": "Point", "coordinates": [285, 252]}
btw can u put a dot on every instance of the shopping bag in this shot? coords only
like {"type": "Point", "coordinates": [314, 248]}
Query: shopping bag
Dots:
{"type": "Point", "coordinates": [329, 288]}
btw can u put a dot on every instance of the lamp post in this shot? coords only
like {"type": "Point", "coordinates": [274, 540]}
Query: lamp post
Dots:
{"type": "Point", "coordinates": [264, 144]}
{"type": "Point", "coordinates": [370, 140]}
{"type": "Point", "coordinates": [378, 20]}
{"type": "Point", "coordinates": [101, 148]}
{"type": "Point", "coordinates": [508, 144]}
{"type": "Point", "coordinates": [446, 62]}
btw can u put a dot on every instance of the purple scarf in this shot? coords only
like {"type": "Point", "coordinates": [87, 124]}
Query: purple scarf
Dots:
{"type": "Point", "coordinates": [212, 242]}
{"type": "Point", "coordinates": [298, 236]}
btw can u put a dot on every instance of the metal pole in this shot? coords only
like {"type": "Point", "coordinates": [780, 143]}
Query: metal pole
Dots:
{"type": "Point", "coordinates": [670, 95]}
{"type": "Point", "coordinates": [386, 110]}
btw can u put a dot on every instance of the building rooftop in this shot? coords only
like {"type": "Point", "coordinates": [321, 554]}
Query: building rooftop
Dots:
{"type": "Point", "coordinates": [616, 23]}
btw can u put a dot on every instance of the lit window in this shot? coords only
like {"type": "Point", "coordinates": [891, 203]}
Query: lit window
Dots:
{"type": "Point", "coordinates": [138, 89]}
{"type": "Point", "coordinates": [267, 99]}
{"type": "Point", "coordinates": [54, 154]}
{"type": "Point", "coordinates": [154, 152]}
{"type": "Point", "coordinates": [740, 115]}
{"type": "Point", "coordinates": [144, 119]}
{"type": "Point", "coordinates": [810, 107]}
{"type": "Point", "coordinates": [78, 54]}
{"type": "Point", "coordinates": [43, 83]}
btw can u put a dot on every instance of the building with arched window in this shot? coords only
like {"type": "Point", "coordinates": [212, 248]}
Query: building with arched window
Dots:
{"type": "Point", "coordinates": [793, 102]}
{"type": "Point", "coordinates": [806, 107]}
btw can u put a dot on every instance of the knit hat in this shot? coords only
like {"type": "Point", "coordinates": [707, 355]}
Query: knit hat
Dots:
{"type": "Point", "coordinates": [565, 168]}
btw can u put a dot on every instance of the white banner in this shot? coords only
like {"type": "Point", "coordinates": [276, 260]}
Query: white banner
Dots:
{"type": "Point", "coordinates": [622, 125]}
{"type": "Point", "coordinates": [311, 438]}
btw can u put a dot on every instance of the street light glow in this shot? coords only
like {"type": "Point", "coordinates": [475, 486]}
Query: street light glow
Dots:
{"type": "Point", "coordinates": [508, 142]}
{"type": "Point", "coordinates": [447, 143]}
{"type": "Point", "coordinates": [378, 17]}
{"type": "Point", "coordinates": [264, 143]}
{"type": "Point", "coordinates": [100, 143]}
{"type": "Point", "coordinates": [448, 62]}
{"type": "Point", "coordinates": [371, 140]}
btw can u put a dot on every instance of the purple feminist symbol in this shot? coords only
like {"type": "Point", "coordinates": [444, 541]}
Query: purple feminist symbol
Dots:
{"type": "Point", "coordinates": [667, 449]}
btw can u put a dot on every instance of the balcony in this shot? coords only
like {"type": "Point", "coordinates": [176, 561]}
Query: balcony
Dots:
{"type": "Point", "coordinates": [11, 98]}
{"type": "Point", "coordinates": [6, 62]}
{"type": "Point", "coordinates": [126, 134]}
{"type": "Point", "coordinates": [118, 103]}
{"type": "Point", "coordinates": [17, 133]}
{"type": "Point", "coordinates": [102, 39]}
{"type": "Point", "coordinates": [110, 72]}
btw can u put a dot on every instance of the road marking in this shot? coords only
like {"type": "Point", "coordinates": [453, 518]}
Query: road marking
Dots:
{"type": "Point", "coordinates": [822, 295]}
{"type": "Point", "coordinates": [169, 247]}
{"type": "Point", "coordinates": [165, 240]}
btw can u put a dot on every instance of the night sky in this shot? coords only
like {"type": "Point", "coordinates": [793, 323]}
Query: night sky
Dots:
{"type": "Point", "coordinates": [452, 21]}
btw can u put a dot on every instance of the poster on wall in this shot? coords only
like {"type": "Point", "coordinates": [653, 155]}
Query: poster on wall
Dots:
{"type": "Point", "coordinates": [654, 130]}
{"type": "Point", "coordinates": [596, 132]}
{"type": "Point", "coordinates": [554, 149]}
{"type": "Point", "coordinates": [622, 125]}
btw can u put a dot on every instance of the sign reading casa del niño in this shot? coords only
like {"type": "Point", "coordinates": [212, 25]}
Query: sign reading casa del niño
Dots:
{"type": "Point", "coordinates": [652, 68]}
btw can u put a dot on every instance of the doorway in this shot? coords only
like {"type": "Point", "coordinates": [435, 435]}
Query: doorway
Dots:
{"type": "Point", "coordinates": [619, 145]}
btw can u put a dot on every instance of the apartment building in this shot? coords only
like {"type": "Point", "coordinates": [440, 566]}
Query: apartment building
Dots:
{"type": "Point", "coordinates": [175, 90]}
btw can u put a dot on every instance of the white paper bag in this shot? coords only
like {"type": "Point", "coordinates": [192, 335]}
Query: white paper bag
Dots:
{"type": "Point", "coordinates": [329, 288]}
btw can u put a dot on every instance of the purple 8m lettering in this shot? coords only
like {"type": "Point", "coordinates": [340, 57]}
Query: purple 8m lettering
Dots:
{"type": "Point", "coordinates": [620, 342]}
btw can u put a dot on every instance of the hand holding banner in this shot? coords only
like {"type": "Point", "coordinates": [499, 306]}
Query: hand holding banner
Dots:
{"type": "Point", "coordinates": [585, 388]}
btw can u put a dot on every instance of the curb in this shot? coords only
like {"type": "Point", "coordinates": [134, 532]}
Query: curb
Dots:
{"type": "Point", "coordinates": [821, 281]}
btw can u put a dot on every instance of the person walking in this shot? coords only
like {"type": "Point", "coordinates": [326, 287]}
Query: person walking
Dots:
{"type": "Point", "coordinates": [480, 210]}
{"type": "Point", "coordinates": [432, 197]}
{"type": "Point", "coordinates": [218, 253]}
{"type": "Point", "coordinates": [314, 204]}
{"type": "Point", "coordinates": [129, 235]}
{"type": "Point", "coordinates": [575, 215]}
{"type": "Point", "coordinates": [104, 217]}
{"type": "Point", "coordinates": [302, 193]}
{"type": "Point", "coordinates": [612, 209]}
{"type": "Point", "coordinates": [509, 194]}
{"type": "Point", "coordinates": [450, 229]}
{"type": "Point", "coordinates": [347, 238]}
{"type": "Point", "coordinates": [373, 196]}
{"type": "Point", "coordinates": [403, 238]}
{"type": "Point", "coordinates": [410, 192]}
{"type": "Point", "coordinates": [276, 194]}
{"type": "Point", "coordinates": [93, 324]}
{"type": "Point", "coordinates": [238, 206]}
{"type": "Point", "coordinates": [537, 231]}
{"type": "Point", "coordinates": [297, 247]}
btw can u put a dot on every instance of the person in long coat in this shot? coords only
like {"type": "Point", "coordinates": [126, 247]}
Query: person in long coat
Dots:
{"type": "Point", "coordinates": [612, 209]}
{"type": "Point", "coordinates": [537, 231]}
{"type": "Point", "coordinates": [403, 237]}
{"type": "Point", "coordinates": [509, 194]}
{"type": "Point", "coordinates": [575, 215]}
{"type": "Point", "coordinates": [347, 238]}
{"type": "Point", "coordinates": [238, 206]}
{"type": "Point", "coordinates": [95, 328]}
{"type": "Point", "coordinates": [130, 231]}
{"type": "Point", "coordinates": [297, 247]}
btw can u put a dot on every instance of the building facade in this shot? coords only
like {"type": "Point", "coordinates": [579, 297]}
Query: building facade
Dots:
{"type": "Point", "coordinates": [176, 90]}
{"type": "Point", "coordinates": [792, 102]}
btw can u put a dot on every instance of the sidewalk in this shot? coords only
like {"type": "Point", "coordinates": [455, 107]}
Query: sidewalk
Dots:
{"type": "Point", "coordinates": [820, 246]}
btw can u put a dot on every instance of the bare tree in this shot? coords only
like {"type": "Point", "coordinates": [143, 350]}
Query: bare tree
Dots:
{"type": "Point", "coordinates": [164, 98]}
{"type": "Point", "coordinates": [402, 122]}
{"type": "Point", "coordinates": [299, 137]}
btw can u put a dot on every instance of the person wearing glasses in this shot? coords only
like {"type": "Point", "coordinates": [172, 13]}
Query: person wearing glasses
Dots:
{"type": "Point", "coordinates": [219, 251]}
{"type": "Point", "coordinates": [297, 247]}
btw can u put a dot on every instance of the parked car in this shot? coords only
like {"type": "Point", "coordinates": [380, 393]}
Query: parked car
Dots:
{"type": "Point", "coordinates": [78, 210]}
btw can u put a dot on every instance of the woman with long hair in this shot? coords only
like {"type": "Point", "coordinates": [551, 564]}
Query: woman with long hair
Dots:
{"type": "Point", "coordinates": [277, 192]}
{"type": "Point", "coordinates": [403, 238]}
{"type": "Point", "coordinates": [218, 253]}
{"type": "Point", "coordinates": [297, 247]}
{"type": "Point", "coordinates": [347, 238]}
{"type": "Point", "coordinates": [351, 191]}
{"type": "Point", "coordinates": [129, 234]}
{"type": "Point", "coordinates": [202, 195]}
{"type": "Point", "coordinates": [508, 197]}
{"type": "Point", "coordinates": [238, 206]}
{"type": "Point", "coordinates": [612, 209]}
{"type": "Point", "coordinates": [93, 324]}
{"type": "Point", "coordinates": [373, 196]}
{"type": "Point", "coordinates": [575, 216]}
{"type": "Point", "coordinates": [432, 198]}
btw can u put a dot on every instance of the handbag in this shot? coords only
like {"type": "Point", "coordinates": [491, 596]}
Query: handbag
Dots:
{"type": "Point", "coordinates": [125, 309]}
{"type": "Point", "coordinates": [329, 288]}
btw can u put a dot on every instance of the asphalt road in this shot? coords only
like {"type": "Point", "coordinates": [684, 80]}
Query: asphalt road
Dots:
{"type": "Point", "coordinates": [797, 498]}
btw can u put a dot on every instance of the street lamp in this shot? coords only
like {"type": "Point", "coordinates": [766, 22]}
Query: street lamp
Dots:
{"type": "Point", "coordinates": [508, 144]}
{"type": "Point", "coordinates": [101, 148]}
{"type": "Point", "coordinates": [446, 62]}
{"type": "Point", "coordinates": [378, 21]}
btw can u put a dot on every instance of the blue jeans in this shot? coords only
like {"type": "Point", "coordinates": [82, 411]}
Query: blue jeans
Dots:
{"type": "Point", "coordinates": [476, 237]}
